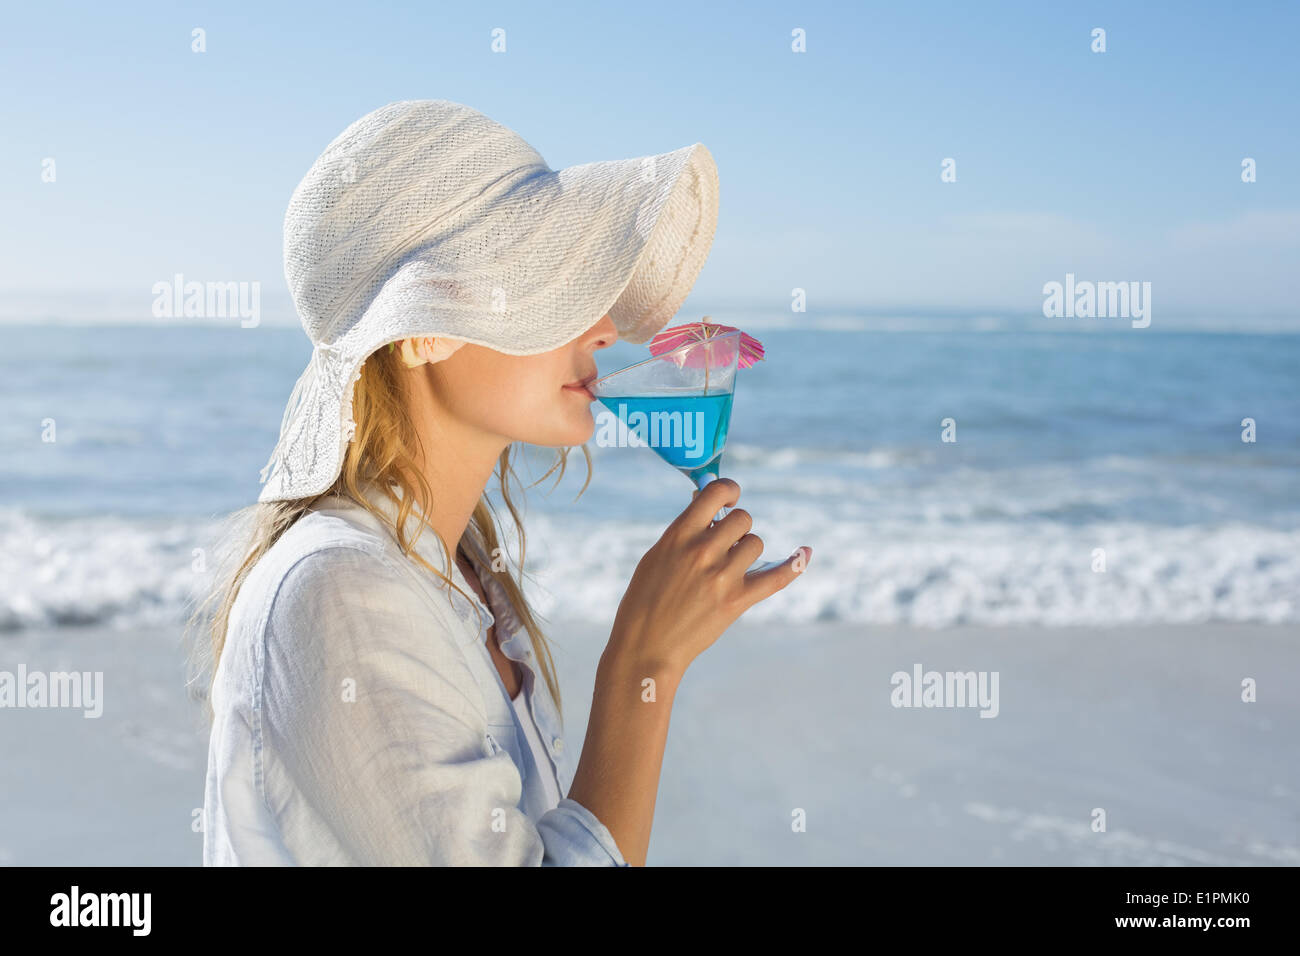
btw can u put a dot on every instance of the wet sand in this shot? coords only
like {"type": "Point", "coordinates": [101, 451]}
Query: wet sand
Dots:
{"type": "Point", "coordinates": [1146, 724]}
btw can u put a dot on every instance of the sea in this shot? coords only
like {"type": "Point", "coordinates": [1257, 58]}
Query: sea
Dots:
{"type": "Point", "coordinates": [945, 471]}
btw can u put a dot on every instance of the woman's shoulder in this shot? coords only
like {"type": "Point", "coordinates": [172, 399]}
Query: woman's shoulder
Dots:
{"type": "Point", "coordinates": [321, 538]}
{"type": "Point", "coordinates": [334, 555]}
{"type": "Point", "coordinates": [335, 595]}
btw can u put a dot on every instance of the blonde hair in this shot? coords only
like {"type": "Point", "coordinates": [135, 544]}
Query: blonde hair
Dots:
{"type": "Point", "coordinates": [383, 452]}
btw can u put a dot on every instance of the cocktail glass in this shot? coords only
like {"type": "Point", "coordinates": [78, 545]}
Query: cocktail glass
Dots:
{"type": "Point", "coordinates": [679, 404]}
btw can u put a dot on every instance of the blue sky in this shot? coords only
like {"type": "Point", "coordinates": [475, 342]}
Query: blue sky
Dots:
{"type": "Point", "coordinates": [1116, 166]}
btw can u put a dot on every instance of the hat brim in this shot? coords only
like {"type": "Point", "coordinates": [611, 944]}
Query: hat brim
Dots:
{"type": "Point", "coordinates": [646, 227]}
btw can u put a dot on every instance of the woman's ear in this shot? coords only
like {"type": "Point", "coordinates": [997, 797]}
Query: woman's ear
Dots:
{"type": "Point", "coordinates": [410, 357]}
{"type": "Point", "coordinates": [410, 351]}
{"type": "Point", "coordinates": [426, 349]}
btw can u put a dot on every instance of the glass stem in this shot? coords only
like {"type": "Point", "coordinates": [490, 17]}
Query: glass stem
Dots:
{"type": "Point", "coordinates": [703, 479]}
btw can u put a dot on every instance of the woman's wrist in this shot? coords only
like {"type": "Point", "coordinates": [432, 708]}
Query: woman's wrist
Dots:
{"type": "Point", "coordinates": [626, 664]}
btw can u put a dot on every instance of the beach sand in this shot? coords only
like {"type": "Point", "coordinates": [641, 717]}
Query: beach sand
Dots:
{"type": "Point", "coordinates": [1145, 723]}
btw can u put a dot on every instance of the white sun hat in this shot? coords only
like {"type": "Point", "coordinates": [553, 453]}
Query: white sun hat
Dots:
{"type": "Point", "coordinates": [426, 218]}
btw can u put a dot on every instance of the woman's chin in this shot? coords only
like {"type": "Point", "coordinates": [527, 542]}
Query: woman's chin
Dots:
{"type": "Point", "coordinates": [584, 428]}
{"type": "Point", "coordinates": [577, 429]}
{"type": "Point", "coordinates": [583, 433]}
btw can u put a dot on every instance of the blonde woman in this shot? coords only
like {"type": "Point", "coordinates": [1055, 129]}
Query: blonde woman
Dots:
{"type": "Point", "coordinates": [380, 692]}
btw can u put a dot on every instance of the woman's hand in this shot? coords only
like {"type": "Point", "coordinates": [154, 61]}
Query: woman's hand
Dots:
{"type": "Point", "coordinates": [693, 584]}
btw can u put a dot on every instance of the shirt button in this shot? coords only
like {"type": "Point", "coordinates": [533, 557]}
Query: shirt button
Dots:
{"type": "Point", "coordinates": [557, 745]}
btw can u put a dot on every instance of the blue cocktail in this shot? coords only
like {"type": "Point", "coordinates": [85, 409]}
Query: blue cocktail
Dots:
{"type": "Point", "coordinates": [687, 431]}
{"type": "Point", "coordinates": [679, 404]}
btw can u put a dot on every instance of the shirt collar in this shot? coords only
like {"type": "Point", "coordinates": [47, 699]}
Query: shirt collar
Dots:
{"type": "Point", "coordinates": [427, 547]}
{"type": "Point", "coordinates": [512, 636]}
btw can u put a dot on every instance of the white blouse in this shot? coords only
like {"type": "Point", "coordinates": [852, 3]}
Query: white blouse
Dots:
{"type": "Point", "coordinates": [359, 718]}
{"type": "Point", "coordinates": [536, 749]}
{"type": "Point", "coordinates": [538, 763]}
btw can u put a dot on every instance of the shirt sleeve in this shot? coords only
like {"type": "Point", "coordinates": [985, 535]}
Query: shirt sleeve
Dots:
{"type": "Point", "coordinates": [373, 730]}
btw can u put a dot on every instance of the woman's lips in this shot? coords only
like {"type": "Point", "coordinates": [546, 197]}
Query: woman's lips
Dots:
{"type": "Point", "coordinates": [581, 386]}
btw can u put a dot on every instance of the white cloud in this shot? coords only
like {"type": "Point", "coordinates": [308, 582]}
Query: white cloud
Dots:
{"type": "Point", "coordinates": [1258, 227]}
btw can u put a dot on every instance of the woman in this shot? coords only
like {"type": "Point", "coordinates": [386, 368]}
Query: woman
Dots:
{"type": "Point", "coordinates": [375, 701]}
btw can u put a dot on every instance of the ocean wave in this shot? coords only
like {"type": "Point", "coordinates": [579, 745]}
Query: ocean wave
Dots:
{"type": "Point", "coordinates": [1011, 573]}
{"type": "Point", "coordinates": [784, 458]}
{"type": "Point", "coordinates": [58, 573]}
{"type": "Point", "coordinates": [123, 573]}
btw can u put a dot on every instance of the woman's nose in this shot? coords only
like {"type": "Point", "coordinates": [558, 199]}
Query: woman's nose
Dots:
{"type": "Point", "coordinates": [604, 333]}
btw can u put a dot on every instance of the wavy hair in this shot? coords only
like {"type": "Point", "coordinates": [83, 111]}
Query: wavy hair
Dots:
{"type": "Point", "coordinates": [384, 452]}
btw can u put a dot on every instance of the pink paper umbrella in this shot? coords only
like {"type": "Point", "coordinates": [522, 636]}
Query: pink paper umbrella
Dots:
{"type": "Point", "coordinates": [751, 349]}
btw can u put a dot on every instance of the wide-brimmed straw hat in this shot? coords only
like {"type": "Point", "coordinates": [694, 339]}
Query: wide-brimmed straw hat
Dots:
{"type": "Point", "coordinates": [427, 219]}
